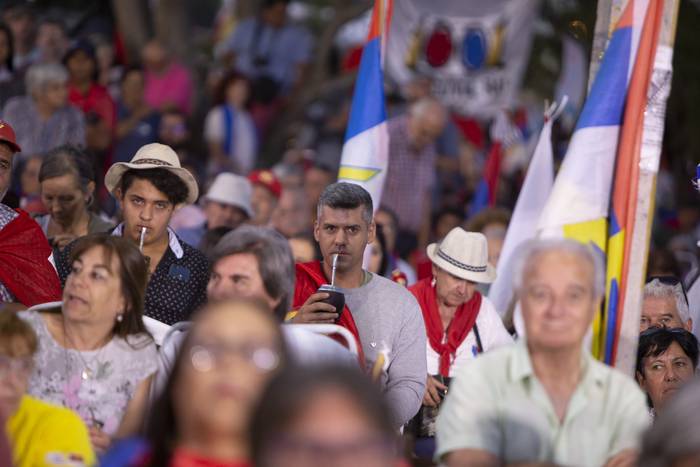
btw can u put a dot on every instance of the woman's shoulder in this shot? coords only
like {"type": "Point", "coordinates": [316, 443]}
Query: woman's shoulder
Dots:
{"type": "Point", "coordinates": [141, 343]}
{"type": "Point", "coordinates": [136, 354]}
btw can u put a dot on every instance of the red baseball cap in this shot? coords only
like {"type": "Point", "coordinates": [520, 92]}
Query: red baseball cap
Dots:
{"type": "Point", "coordinates": [267, 179]}
{"type": "Point", "coordinates": [7, 136]}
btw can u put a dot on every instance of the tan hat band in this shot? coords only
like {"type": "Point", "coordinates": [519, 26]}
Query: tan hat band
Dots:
{"type": "Point", "coordinates": [460, 265]}
{"type": "Point", "coordinates": [152, 162]}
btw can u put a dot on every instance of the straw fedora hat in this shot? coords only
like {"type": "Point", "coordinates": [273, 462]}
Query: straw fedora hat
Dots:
{"type": "Point", "coordinates": [463, 254]}
{"type": "Point", "coordinates": [153, 156]}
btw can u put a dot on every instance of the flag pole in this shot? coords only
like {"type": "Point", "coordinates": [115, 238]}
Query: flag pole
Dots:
{"type": "Point", "coordinates": [652, 137]}
{"type": "Point", "coordinates": [607, 14]}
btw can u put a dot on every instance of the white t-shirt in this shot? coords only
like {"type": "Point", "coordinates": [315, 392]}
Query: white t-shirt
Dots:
{"type": "Point", "coordinates": [491, 330]}
{"type": "Point", "coordinates": [244, 140]}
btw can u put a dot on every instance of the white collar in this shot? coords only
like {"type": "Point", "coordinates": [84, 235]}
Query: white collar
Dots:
{"type": "Point", "coordinates": [173, 241]}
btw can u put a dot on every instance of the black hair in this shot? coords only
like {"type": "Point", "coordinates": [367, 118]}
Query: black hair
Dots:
{"type": "Point", "coordinates": [291, 391]}
{"type": "Point", "coordinates": [9, 61]}
{"type": "Point", "coordinates": [230, 78]}
{"type": "Point", "coordinates": [655, 341]}
{"type": "Point", "coordinates": [391, 213]}
{"type": "Point", "coordinates": [86, 46]}
{"type": "Point", "coordinates": [384, 262]}
{"type": "Point", "coordinates": [165, 181]}
{"type": "Point", "coordinates": [130, 69]}
{"type": "Point", "coordinates": [342, 195]}
{"type": "Point", "coordinates": [270, 3]}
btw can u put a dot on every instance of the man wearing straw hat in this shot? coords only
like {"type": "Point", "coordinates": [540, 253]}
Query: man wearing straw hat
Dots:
{"type": "Point", "coordinates": [149, 189]}
{"type": "Point", "coordinates": [544, 400]}
{"type": "Point", "coordinates": [460, 322]}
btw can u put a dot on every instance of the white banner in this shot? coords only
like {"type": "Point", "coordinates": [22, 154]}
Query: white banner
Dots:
{"type": "Point", "coordinates": [475, 52]}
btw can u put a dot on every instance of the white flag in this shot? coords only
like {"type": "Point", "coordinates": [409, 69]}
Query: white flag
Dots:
{"type": "Point", "coordinates": [531, 201]}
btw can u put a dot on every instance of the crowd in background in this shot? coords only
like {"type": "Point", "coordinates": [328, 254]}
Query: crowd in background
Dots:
{"type": "Point", "coordinates": [160, 303]}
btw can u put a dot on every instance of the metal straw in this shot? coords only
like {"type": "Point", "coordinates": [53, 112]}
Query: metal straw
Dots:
{"type": "Point", "coordinates": [333, 267]}
{"type": "Point", "coordinates": [143, 234]}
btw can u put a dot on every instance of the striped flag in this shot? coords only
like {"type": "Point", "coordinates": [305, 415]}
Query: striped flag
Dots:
{"type": "Point", "coordinates": [625, 185]}
{"type": "Point", "coordinates": [579, 205]}
{"type": "Point", "coordinates": [365, 153]}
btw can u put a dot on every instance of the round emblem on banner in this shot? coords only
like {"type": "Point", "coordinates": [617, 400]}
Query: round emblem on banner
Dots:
{"type": "Point", "coordinates": [474, 49]}
{"type": "Point", "coordinates": [438, 46]}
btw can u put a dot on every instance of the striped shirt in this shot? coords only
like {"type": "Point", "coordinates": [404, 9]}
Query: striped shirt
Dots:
{"type": "Point", "coordinates": [410, 176]}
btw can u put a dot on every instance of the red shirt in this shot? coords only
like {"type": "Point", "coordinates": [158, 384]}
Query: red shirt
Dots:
{"type": "Point", "coordinates": [97, 100]}
{"type": "Point", "coordinates": [184, 458]}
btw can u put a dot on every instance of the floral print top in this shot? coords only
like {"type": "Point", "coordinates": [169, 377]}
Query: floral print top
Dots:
{"type": "Point", "coordinates": [96, 384]}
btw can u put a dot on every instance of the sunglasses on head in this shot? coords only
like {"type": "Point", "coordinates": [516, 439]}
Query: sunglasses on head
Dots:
{"type": "Point", "coordinates": [672, 281]}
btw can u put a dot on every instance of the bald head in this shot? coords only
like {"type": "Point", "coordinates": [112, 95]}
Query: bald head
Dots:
{"type": "Point", "coordinates": [427, 119]}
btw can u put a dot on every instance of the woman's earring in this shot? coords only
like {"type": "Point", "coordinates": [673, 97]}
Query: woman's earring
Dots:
{"type": "Point", "coordinates": [120, 317]}
{"type": "Point", "coordinates": [433, 282]}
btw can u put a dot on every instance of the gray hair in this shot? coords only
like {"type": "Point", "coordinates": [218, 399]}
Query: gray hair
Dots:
{"type": "Point", "coordinates": [676, 430]}
{"type": "Point", "coordinates": [343, 195]}
{"type": "Point", "coordinates": [275, 260]}
{"type": "Point", "coordinates": [40, 75]}
{"type": "Point", "coordinates": [658, 289]}
{"type": "Point", "coordinates": [533, 249]}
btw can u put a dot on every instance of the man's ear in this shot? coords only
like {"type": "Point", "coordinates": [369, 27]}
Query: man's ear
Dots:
{"type": "Point", "coordinates": [371, 232]}
{"type": "Point", "coordinates": [118, 194]}
{"type": "Point", "coordinates": [689, 325]}
{"type": "Point", "coordinates": [317, 227]}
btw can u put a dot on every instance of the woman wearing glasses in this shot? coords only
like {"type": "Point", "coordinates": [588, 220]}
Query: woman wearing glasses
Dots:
{"type": "Point", "coordinates": [202, 416]}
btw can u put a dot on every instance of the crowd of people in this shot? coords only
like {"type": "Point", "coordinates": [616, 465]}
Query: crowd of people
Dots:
{"type": "Point", "coordinates": [164, 304]}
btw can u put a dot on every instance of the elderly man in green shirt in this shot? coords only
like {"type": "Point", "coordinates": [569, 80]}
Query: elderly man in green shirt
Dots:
{"type": "Point", "coordinates": [544, 400]}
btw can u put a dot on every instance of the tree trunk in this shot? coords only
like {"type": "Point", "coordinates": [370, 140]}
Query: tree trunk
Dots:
{"type": "Point", "coordinates": [173, 29]}
{"type": "Point", "coordinates": [132, 17]}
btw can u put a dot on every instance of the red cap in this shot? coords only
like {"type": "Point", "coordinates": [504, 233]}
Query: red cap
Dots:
{"type": "Point", "coordinates": [7, 136]}
{"type": "Point", "coordinates": [267, 179]}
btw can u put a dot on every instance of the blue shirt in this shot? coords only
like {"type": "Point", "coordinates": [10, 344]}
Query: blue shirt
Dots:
{"type": "Point", "coordinates": [283, 49]}
{"type": "Point", "coordinates": [145, 132]}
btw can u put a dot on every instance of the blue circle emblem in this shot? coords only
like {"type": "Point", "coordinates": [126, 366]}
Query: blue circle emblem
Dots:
{"type": "Point", "coordinates": [474, 49]}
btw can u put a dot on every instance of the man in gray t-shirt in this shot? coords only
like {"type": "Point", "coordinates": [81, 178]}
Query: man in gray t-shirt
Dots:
{"type": "Point", "coordinates": [386, 316]}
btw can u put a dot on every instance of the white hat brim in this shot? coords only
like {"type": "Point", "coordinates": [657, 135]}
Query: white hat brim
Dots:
{"type": "Point", "coordinates": [248, 209]}
{"type": "Point", "coordinates": [115, 172]}
{"type": "Point", "coordinates": [485, 277]}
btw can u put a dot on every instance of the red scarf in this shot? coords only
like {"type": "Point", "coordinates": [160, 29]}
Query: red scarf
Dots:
{"type": "Point", "coordinates": [310, 277]}
{"type": "Point", "coordinates": [24, 262]}
{"type": "Point", "coordinates": [459, 328]}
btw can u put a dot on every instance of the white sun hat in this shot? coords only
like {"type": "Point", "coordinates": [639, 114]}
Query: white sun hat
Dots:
{"type": "Point", "coordinates": [153, 156]}
{"type": "Point", "coordinates": [463, 254]}
{"type": "Point", "coordinates": [233, 190]}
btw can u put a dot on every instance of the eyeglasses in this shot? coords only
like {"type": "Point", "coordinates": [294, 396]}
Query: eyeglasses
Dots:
{"type": "Point", "coordinates": [207, 356]}
{"type": "Point", "coordinates": [20, 365]}
{"type": "Point", "coordinates": [673, 281]}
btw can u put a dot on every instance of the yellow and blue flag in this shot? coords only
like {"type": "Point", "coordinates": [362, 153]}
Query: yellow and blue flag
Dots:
{"type": "Point", "coordinates": [580, 203]}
